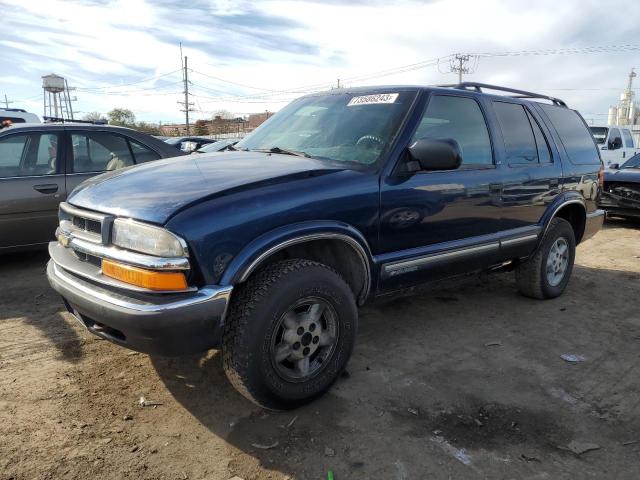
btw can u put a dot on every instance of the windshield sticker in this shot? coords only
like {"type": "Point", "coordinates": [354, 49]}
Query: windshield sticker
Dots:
{"type": "Point", "coordinates": [373, 99]}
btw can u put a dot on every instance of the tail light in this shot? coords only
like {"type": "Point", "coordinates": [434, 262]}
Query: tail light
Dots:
{"type": "Point", "coordinates": [601, 176]}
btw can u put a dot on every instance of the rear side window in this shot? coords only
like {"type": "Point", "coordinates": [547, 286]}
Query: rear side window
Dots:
{"type": "Point", "coordinates": [141, 153]}
{"type": "Point", "coordinates": [628, 139]}
{"type": "Point", "coordinates": [99, 151]}
{"type": "Point", "coordinates": [574, 135]}
{"type": "Point", "coordinates": [461, 119]}
{"type": "Point", "coordinates": [519, 142]}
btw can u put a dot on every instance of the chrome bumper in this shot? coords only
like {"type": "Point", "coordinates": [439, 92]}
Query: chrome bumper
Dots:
{"type": "Point", "coordinates": [164, 324]}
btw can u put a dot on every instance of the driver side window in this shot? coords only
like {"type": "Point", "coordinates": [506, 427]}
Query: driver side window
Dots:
{"type": "Point", "coordinates": [460, 119]}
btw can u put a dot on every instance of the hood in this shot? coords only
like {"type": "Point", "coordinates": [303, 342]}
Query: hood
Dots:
{"type": "Point", "coordinates": [156, 190]}
{"type": "Point", "coordinates": [623, 175]}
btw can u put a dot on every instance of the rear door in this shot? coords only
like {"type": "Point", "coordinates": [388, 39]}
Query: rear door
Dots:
{"type": "Point", "coordinates": [532, 174]}
{"type": "Point", "coordinates": [31, 186]}
{"type": "Point", "coordinates": [91, 152]}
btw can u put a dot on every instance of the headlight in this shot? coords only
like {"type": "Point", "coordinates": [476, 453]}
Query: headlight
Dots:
{"type": "Point", "coordinates": [144, 238]}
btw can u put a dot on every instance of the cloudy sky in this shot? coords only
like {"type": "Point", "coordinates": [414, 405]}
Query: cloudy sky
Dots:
{"type": "Point", "coordinates": [249, 56]}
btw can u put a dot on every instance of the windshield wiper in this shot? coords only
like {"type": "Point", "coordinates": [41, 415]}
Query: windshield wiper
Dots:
{"type": "Point", "coordinates": [284, 151]}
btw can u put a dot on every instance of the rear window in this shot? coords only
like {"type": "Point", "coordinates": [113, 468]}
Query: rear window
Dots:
{"type": "Point", "coordinates": [12, 119]}
{"type": "Point", "coordinates": [575, 137]}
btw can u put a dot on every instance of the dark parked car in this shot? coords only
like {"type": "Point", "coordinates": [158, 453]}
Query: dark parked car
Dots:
{"type": "Point", "coordinates": [620, 196]}
{"type": "Point", "coordinates": [189, 144]}
{"type": "Point", "coordinates": [218, 146]}
{"type": "Point", "coordinates": [340, 197]}
{"type": "Point", "coordinates": [41, 163]}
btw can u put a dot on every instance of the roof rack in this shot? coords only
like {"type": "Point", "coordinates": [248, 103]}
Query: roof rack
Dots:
{"type": "Point", "coordinates": [518, 93]}
{"type": "Point", "coordinates": [68, 120]}
{"type": "Point", "coordinates": [13, 109]}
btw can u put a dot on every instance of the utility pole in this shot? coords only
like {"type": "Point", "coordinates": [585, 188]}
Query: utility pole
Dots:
{"type": "Point", "coordinates": [458, 65]}
{"type": "Point", "coordinates": [187, 105]}
{"type": "Point", "coordinates": [338, 83]}
{"type": "Point", "coordinates": [6, 101]}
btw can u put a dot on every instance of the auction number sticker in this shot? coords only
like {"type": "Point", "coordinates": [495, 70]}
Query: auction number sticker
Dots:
{"type": "Point", "coordinates": [373, 99]}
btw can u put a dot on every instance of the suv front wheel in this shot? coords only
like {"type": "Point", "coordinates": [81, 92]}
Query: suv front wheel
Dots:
{"type": "Point", "coordinates": [289, 333]}
{"type": "Point", "coordinates": [547, 273]}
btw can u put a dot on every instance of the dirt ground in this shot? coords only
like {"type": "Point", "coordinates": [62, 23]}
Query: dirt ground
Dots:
{"type": "Point", "coordinates": [466, 381]}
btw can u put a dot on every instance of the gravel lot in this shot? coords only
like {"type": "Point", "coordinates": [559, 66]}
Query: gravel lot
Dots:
{"type": "Point", "coordinates": [466, 381]}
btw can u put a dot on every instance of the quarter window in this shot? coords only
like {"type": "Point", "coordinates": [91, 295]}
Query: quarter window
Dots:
{"type": "Point", "coordinates": [141, 153]}
{"type": "Point", "coordinates": [628, 139]}
{"type": "Point", "coordinates": [460, 119]}
{"type": "Point", "coordinates": [574, 134]}
{"type": "Point", "coordinates": [99, 151]}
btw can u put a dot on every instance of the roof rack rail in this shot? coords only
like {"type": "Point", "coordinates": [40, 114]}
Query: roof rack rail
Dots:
{"type": "Point", "coordinates": [13, 109]}
{"type": "Point", "coordinates": [518, 93]}
{"type": "Point", "coordinates": [69, 120]}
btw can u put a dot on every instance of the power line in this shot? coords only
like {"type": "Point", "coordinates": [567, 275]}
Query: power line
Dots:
{"type": "Point", "coordinates": [131, 83]}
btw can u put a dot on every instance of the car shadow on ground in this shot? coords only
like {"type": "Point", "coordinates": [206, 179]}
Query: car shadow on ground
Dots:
{"type": "Point", "coordinates": [35, 303]}
{"type": "Point", "coordinates": [471, 368]}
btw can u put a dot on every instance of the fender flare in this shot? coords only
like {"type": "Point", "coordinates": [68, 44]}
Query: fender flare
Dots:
{"type": "Point", "coordinates": [261, 248]}
{"type": "Point", "coordinates": [568, 198]}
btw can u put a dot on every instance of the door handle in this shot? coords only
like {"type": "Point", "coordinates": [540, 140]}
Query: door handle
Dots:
{"type": "Point", "coordinates": [46, 188]}
{"type": "Point", "coordinates": [495, 187]}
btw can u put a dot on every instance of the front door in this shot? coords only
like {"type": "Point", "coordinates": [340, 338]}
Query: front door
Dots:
{"type": "Point", "coordinates": [438, 223]}
{"type": "Point", "coordinates": [31, 187]}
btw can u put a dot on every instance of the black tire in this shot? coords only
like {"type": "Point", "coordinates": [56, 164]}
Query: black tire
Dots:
{"type": "Point", "coordinates": [256, 316]}
{"type": "Point", "coordinates": [531, 275]}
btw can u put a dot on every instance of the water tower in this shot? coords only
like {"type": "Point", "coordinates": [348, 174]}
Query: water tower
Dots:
{"type": "Point", "coordinates": [57, 103]}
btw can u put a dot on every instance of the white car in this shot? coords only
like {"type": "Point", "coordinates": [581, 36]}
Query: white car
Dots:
{"type": "Point", "coordinates": [616, 144]}
{"type": "Point", "coordinates": [17, 115]}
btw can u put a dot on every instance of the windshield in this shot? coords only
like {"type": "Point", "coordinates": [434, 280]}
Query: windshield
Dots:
{"type": "Point", "coordinates": [599, 134]}
{"type": "Point", "coordinates": [345, 127]}
{"type": "Point", "coordinates": [633, 162]}
{"type": "Point", "coordinates": [215, 146]}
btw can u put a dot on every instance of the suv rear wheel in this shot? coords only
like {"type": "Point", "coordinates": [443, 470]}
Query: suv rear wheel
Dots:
{"type": "Point", "coordinates": [547, 273]}
{"type": "Point", "coordinates": [289, 333]}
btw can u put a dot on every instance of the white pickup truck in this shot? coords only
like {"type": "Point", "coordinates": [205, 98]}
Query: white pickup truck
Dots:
{"type": "Point", "coordinates": [17, 115]}
{"type": "Point", "coordinates": [616, 144]}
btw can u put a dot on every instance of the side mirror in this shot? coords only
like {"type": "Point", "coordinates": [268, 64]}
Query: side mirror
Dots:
{"type": "Point", "coordinates": [440, 154]}
{"type": "Point", "coordinates": [614, 166]}
{"type": "Point", "coordinates": [615, 144]}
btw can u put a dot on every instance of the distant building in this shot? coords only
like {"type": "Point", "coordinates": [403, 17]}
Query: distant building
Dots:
{"type": "Point", "coordinates": [217, 126]}
{"type": "Point", "coordinates": [256, 119]}
{"type": "Point", "coordinates": [173, 129]}
{"type": "Point", "coordinates": [627, 111]}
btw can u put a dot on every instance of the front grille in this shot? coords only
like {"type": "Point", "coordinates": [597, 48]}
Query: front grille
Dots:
{"type": "Point", "coordinates": [82, 224]}
{"type": "Point", "coordinates": [627, 191]}
{"type": "Point", "coordinates": [87, 224]}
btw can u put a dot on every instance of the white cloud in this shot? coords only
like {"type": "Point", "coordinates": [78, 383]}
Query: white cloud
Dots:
{"type": "Point", "coordinates": [277, 45]}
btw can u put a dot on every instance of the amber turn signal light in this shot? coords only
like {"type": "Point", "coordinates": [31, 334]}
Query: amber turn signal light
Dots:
{"type": "Point", "coordinates": [144, 278]}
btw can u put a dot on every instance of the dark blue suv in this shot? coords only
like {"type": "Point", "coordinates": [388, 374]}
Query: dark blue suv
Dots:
{"type": "Point", "coordinates": [267, 250]}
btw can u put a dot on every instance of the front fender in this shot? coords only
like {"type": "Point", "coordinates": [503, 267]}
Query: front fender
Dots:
{"type": "Point", "coordinates": [252, 255]}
